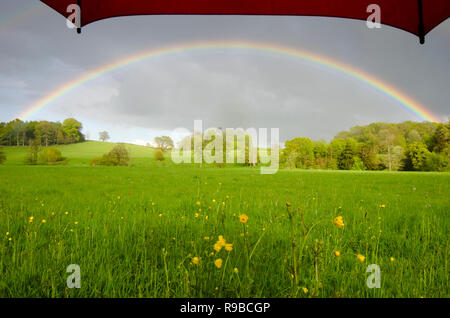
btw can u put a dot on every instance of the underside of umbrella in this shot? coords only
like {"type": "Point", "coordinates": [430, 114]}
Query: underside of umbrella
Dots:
{"type": "Point", "coordinates": [414, 16]}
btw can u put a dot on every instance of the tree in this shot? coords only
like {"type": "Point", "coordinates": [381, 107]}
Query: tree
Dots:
{"type": "Point", "coordinates": [2, 156]}
{"type": "Point", "coordinates": [346, 158]}
{"type": "Point", "coordinates": [387, 141]}
{"type": "Point", "coordinates": [32, 156]}
{"type": "Point", "coordinates": [50, 156]}
{"type": "Point", "coordinates": [44, 130]}
{"type": "Point", "coordinates": [368, 154]}
{"type": "Point", "coordinates": [19, 129]}
{"type": "Point", "coordinates": [441, 138]}
{"type": "Point", "coordinates": [159, 155]}
{"type": "Point", "coordinates": [118, 156]}
{"type": "Point", "coordinates": [164, 143]}
{"type": "Point", "coordinates": [103, 136]}
{"type": "Point", "coordinates": [416, 157]}
{"type": "Point", "coordinates": [304, 150]}
{"type": "Point", "coordinates": [72, 128]}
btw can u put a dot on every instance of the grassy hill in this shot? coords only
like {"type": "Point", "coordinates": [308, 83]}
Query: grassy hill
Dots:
{"type": "Point", "coordinates": [83, 153]}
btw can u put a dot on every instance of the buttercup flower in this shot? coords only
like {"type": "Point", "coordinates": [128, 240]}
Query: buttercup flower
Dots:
{"type": "Point", "coordinates": [218, 263]}
{"type": "Point", "coordinates": [337, 253]}
{"type": "Point", "coordinates": [195, 260]}
{"type": "Point", "coordinates": [339, 222]}
{"type": "Point", "coordinates": [243, 218]}
{"type": "Point", "coordinates": [360, 258]}
{"type": "Point", "coordinates": [228, 247]}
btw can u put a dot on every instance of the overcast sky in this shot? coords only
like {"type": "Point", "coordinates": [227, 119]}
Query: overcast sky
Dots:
{"type": "Point", "coordinates": [224, 88]}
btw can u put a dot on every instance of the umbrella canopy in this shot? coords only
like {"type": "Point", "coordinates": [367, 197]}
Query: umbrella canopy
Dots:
{"type": "Point", "coordinates": [414, 16]}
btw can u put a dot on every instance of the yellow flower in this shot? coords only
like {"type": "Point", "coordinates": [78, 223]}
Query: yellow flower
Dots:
{"type": "Point", "coordinates": [214, 200]}
{"type": "Point", "coordinates": [222, 240]}
{"type": "Point", "coordinates": [195, 260]}
{"type": "Point", "coordinates": [118, 197]}
{"type": "Point", "coordinates": [206, 238]}
{"type": "Point", "coordinates": [288, 204]}
{"type": "Point", "coordinates": [153, 203]}
{"type": "Point", "coordinates": [53, 213]}
{"type": "Point", "coordinates": [220, 243]}
{"type": "Point", "coordinates": [67, 213]}
{"type": "Point", "coordinates": [218, 263]}
{"type": "Point", "coordinates": [337, 253]}
{"type": "Point", "coordinates": [76, 223]}
{"type": "Point", "coordinates": [223, 203]}
{"type": "Point", "coordinates": [31, 219]}
{"type": "Point", "coordinates": [196, 215]}
{"type": "Point", "coordinates": [360, 258]}
{"type": "Point", "coordinates": [7, 233]}
{"type": "Point", "coordinates": [392, 259]}
{"type": "Point", "coordinates": [44, 221]}
{"type": "Point", "coordinates": [305, 290]}
{"type": "Point", "coordinates": [338, 222]}
{"type": "Point", "coordinates": [228, 247]}
{"type": "Point", "coordinates": [236, 270]}
{"type": "Point", "coordinates": [206, 217]}
{"type": "Point", "coordinates": [10, 239]}
{"type": "Point", "coordinates": [382, 205]}
{"type": "Point", "coordinates": [160, 215]}
{"type": "Point", "coordinates": [243, 218]}
{"type": "Point", "coordinates": [227, 196]}
{"type": "Point", "coordinates": [198, 203]}
{"type": "Point", "coordinates": [217, 247]}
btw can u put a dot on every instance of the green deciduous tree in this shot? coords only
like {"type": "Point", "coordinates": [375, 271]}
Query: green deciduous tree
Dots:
{"type": "Point", "coordinates": [164, 143]}
{"type": "Point", "coordinates": [118, 156]}
{"type": "Point", "coordinates": [103, 135]}
{"type": "Point", "coordinates": [72, 129]}
{"type": "Point", "coordinates": [346, 158]}
{"type": "Point", "coordinates": [50, 156]}
{"type": "Point", "coordinates": [416, 156]}
{"type": "Point", "coordinates": [159, 155]}
{"type": "Point", "coordinates": [303, 148]}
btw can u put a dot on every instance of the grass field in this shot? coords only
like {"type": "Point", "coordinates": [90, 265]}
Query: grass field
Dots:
{"type": "Point", "coordinates": [150, 230]}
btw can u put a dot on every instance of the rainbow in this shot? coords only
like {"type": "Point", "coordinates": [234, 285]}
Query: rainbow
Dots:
{"type": "Point", "coordinates": [403, 100]}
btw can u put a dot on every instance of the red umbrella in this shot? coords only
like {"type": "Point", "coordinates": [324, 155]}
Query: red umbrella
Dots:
{"type": "Point", "coordinates": [414, 16]}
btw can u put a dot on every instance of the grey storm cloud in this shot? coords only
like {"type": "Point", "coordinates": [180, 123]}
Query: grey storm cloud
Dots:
{"type": "Point", "coordinates": [222, 87]}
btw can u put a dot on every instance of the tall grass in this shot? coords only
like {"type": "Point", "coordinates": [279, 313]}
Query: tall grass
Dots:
{"type": "Point", "coordinates": [135, 232]}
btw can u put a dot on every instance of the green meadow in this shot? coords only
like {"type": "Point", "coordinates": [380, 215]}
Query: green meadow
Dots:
{"type": "Point", "coordinates": [152, 229]}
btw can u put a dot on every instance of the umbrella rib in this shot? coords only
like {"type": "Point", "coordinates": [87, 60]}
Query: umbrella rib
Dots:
{"type": "Point", "coordinates": [421, 24]}
{"type": "Point", "coordinates": [81, 13]}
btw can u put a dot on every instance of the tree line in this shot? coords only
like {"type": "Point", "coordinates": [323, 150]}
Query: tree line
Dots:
{"type": "Point", "coordinates": [45, 133]}
{"type": "Point", "coordinates": [407, 146]}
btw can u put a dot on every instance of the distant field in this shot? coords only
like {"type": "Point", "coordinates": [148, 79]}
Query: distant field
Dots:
{"type": "Point", "coordinates": [139, 231]}
{"type": "Point", "coordinates": [83, 153]}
